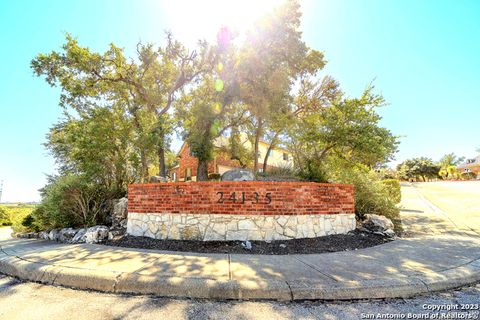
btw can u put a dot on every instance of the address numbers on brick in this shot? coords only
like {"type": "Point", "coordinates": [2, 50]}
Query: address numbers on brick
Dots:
{"type": "Point", "coordinates": [244, 197]}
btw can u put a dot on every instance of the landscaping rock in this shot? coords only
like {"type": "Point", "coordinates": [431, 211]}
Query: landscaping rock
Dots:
{"type": "Point", "coordinates": [28, 235]}
{"type": "Point", "coordinates": [158, 179]}
{"type": "Point", "coordinates": [80, 236]}
{"type": "Point", "coordinates": [96, 234]}
{"type": "Point", "coordinates": [116, 233]}
{"type": "Point", "coordinates": [54, 235]}
{"type": "Point", "coordinates": [378, 224]}
{"type": "Point", "coordinates": [389, 233]}
{"type": "Point", "coordinates": [67, 234]}
{"type": "Point", "coordinates": [120, 212]}
{"type": "Point", "coordinates": [43, 235]}
{"type": "Point", "coordinates": [247, 245]}
{"type": "Point", "coordinates": [375, 222]}
{"type": "Point", "coordinates": [238, 175]}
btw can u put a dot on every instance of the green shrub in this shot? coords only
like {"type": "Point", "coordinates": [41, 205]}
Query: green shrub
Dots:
{"type": "Point", "coordinates": [393, 188]}
{"type": "Point", "coordinates": [468, 176]}
{"type": "Point", "coordinates": [28, 222]}
{"type": "Point", "coordinates": [73, 201]}
{"type": "Point", "coordinates": [4, 218]}
{"type": "Point", "coordinates": [313, 171]}
{"type": "Point", "coordinates": [372, 196]}
{"type": "Point", "coordinates": [279, 173]}
{"type": "Point", "coordinates": [214, 177]}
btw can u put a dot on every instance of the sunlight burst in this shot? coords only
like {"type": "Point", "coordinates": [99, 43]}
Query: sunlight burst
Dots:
{"type": "Point", "coordinates": [194, 20]}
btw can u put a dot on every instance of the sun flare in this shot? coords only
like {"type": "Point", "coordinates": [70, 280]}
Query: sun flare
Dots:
{"type": "Point", "coordinates": [193, 20]}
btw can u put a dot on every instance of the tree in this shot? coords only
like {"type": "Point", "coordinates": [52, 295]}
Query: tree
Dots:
{"type": "Point", "coordinates": [205, 115]}
{"type": "Point", "coordinates": [99, 144]}
{"type": "Point", "coordinates": [324, 90]}
{"type": "Point", "coordinates": [153, 82]}
{"type": "Point", "coordinates": [344, 128]}
{"type": "Point", "coordinates": [448, 165]}
{"type": "Point", "coordinates": [269, 61]}
{"type": "Point", "coordinates": [417, 168]}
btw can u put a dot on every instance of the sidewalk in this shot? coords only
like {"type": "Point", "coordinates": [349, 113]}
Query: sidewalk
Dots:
{"type": "Point", "coordinates": [440, 256]}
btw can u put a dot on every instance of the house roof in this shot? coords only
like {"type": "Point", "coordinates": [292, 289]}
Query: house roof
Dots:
{"type": "Point", "coordinates": [474, 162]}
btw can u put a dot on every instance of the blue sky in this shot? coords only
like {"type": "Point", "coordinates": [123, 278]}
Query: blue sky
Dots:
{"type": "Point", "coordinates": [424, 57]}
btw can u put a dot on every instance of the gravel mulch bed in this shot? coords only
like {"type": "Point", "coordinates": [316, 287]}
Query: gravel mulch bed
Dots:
{"type": "Point", "coordinates": [341, 242]}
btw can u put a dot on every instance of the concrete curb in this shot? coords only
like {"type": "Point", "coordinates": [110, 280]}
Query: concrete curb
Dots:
{"type": "Point", "coordinates": [191, 287]}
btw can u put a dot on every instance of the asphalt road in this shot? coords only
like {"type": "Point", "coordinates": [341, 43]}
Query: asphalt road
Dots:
{"type": "Point", "coordinates": [19, 300]}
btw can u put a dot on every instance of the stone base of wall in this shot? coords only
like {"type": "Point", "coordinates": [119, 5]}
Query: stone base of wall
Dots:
{"type": "Point", "coordinates": [226, 227]}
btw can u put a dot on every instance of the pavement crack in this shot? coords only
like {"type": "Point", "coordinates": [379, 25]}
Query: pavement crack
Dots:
{"type": "Point", "coordinates": [460, 265]}
{"type": "Point", "coordinates": [424, 283]}
{"type": "Point", "coordinates": [115, 283]}
{"type": "Point", "coordinates": [290, 290]}
{"type": "Point", "coordinates": [55, 278]}
{"type": "Point", "coordinates": [229, 267]}
{"type": "Point", "coordinates": [316, 269]}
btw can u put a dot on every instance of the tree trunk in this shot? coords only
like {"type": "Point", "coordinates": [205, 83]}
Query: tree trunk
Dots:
{"type": "Point", "coordinates": [258, 133]}
{"type": "Point", "coordinates": [143, 157]}
{"type": "Point", "coordinates": [202, 170]}
{"type": "Point", "coordinates": [161, 161]}
{"type": "Point", "coordinates": [270, 147]}
{"type": "Point", "coordinates": [144, 164]}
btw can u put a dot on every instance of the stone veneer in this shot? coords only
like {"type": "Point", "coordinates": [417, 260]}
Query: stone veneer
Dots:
{"type": "Point", "coordinates": [224, 227]}
{"type": "Point", "coordinates": [241, 210]}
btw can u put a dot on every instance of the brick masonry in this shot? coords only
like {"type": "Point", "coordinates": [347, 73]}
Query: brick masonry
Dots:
{"type": "Point", "coordinates": [253, 210]}
{"type": "Point", "coordinates": [245, 197]}
{"type": "Point", "coordinates": [187, 161]}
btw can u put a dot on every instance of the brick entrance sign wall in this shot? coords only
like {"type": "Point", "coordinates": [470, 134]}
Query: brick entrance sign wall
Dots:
{"type": "Point", "coordinates": [247, 210]}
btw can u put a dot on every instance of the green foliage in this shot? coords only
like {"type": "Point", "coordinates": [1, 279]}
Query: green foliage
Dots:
{"type": "Point", "coordinates": [100, 145]}
{"type": "Point", "coordinates": [214, 177]}
{"type": "Point", "coordinates": [148, 84]}
{"type": "Point", "coordinates": [4, 217]}
{"type": "Point", "coordinates": [28, 222]}
{"type": "Point", "coordinates": [272, 58]}
{"type": "Point", "coordinates": [73, 201]}
{"type": "Point", "coordinates": [280, 173]}
{"type": "Point", "coordinates": [313, 170]}
{"type": "Point", "coordinates": [448, 165]}
{"type": "Point", "coordinates": [418, 168]}
{"type": "Point", "coordinates": [393, 188]}
{"type": "Point", "coordinates": [372, 195]}
{"type": "Point", "coordinates": [347, 128]}
{"type": "Point", "coordinates": [14, 214]}
{"type": "Point", "coordinates": [467, 176]}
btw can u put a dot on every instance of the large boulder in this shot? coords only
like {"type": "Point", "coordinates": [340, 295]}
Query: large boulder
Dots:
{"type": "Point", "coordinates": [116, 233]}
{"type": "Point", "coordinates": [238, 175]}
{"type": "Point", "coordinates": [96, 234]}
{"type": "Point", "coordinates": [54, 235]}
{"type": "Point", "coordinates": [79, 237]}
{"type": "Point", "coordinates": [378, 224]}
{"type": "Point", "coordinates": [67, 234]}
{"type": "Point", "coordinates": [43, 235]}
{"type": "Point", "coordinates": [158, 179]}
{"type": "Point", "coordinates": [120, 212]}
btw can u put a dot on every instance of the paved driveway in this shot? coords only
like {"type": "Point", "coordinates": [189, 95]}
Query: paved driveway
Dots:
{"type": "Point", "coordinates": [5, 232]}
{"type": "Point", "coordinates": [436, 207]}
